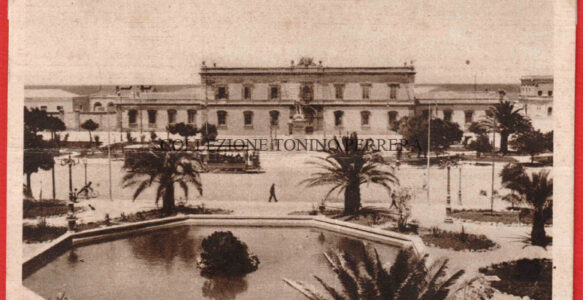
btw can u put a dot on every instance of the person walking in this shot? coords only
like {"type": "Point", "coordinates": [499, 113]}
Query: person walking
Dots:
{"type": "Point", "coordinates": [272, 193]}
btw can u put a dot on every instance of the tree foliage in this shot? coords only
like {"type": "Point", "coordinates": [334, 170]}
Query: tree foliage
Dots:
{"type": "Point", "coordinates": [531, 142]}
{"type": "Point", "coordinates": [443, 133]}
{"type": "Point", "coordinates": [224, 255]}
{"type": "Point", "coordinates": [537, 191]}
{"type": "Point", "coordinates": [504, 118]}
{"type": "Point", "coordinates": [481, 145]}
{"type": "Point", "coordinates": [366, 277]}
{"type": "Point", "coordinates": [37, 155]}
{"type": "Point", "coordinates": [90, 126]}
{"type": "Point", "coordinates": [164, 168]}
{"type": "Point", "coordinates": [346, 167]}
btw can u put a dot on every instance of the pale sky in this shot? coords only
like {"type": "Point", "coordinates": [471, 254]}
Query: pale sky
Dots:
{"type": "Point", "coordinates": [164, 42]}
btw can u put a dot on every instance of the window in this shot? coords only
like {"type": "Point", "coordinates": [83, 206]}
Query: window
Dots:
{"type": "Point", "coordinates": [540, 93]}
{"type": "Point", "coordinates": [171, 116]}
{"type": "Point", "coordinates": [43, 107]}
{"type": "Point", "coordinates": [132, 116]}
{"type": "Point", "coordinates": [248, 118]}
{"type": "Point", "coordinates": [273, 92]}
{"type": "Point", "coordinates": [274, 117]}
{"type": "Point", "coordinates": [365, 118]}
{"type": "Point", "coordinates": [339, 88]}
{"type": "Point", "coordinates": [59, 108]}
{"type": "Point", "coordinates": [191, 116]}
{"type": "Point", "coordinates": [447, 115]}
{"type": "Point", "coordinates": [469, 116]}
{"type": "Point", "coordinates": [393, 91]}
{"type": "Point", "coordinates": [550, 93]}
{"type": "Point", "coordinates": [222, 118]}
{"type": "Point", "coordinates": [365, 91]}
{"type": "Point", "coordinates": [151, 117]}
{"type": "Point", "coordinates": [307, 94]}
{"type": "Point", "coordinates": [338, 116]}
{"type": "Point", "coordinates": [247, 92]}
{"type": "Point", "coordinates": [110, 106]}
{"type": "Point", "coordinates": [222, 92]}
{"type": "Point", "coordinates": [549, 111]}
{"type": "Point", "coordinates": [97, 106]}
{"type": "Point", "coordinates": [393, 117]}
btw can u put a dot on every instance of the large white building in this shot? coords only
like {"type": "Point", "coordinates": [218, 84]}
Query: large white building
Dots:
{"type": "Point", "coordinates": [270, 101]}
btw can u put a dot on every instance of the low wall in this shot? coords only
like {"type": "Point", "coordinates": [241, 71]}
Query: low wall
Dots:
{"type": "Point", "coordinates": [71, 239]}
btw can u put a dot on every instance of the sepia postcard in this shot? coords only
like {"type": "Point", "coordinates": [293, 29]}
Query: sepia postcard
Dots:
{"type": "Point", "coordinates": [323, 149]}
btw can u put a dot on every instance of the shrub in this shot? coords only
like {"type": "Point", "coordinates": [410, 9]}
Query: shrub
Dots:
{"type": "Point", "coordinates": [225, 255]}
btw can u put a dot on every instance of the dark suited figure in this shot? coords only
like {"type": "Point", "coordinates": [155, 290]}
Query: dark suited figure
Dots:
{"type": "Point", "coordinates": [272, 193]}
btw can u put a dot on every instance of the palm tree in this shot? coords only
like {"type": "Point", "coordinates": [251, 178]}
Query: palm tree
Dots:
{"type": "Point", "coordinates": [346, 167]}
{"type": "Point", "coordinates": [536, 190]}
{"type": "Point", "coordinates": [165, 168]}
{"type": "Point", "coordinates": [539, 193]}
{"type": "Point", "coordinates": [408, 278]}
{"type": "Point", "coordinates": [505, 119]}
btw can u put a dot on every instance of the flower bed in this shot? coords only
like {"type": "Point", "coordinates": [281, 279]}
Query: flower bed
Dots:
{"type": "Point", "coordinates": [484, 215]}
{"type": "Point", "coordinates": [457, 241]}
{"type": "Point", "coordinates": [41, 232]}
{"type": "Point", "coordinates": [45, 208]}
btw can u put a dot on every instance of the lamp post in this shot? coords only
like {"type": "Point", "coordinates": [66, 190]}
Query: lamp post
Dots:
{"type": "Point", "coordinates": [448, 163]}
{"type": "Point", "coordinates": [70, 162]}
{"type": "Point", "coordinates": [459, 193]}
{"type": "Point", "coordinates": [85, 165]}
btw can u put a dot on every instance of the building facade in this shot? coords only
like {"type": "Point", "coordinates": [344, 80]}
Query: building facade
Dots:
{"type": "Point", "coordinates": [536, 97]}
{"type": "Point", "coordinates": [304, 98]}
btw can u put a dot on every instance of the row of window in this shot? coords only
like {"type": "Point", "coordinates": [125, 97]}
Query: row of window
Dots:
{"type": "Point", "coordinates": [365, 117]}
{"type": "Point", "coordinates": [538, 92]}
{"type": "Point", "coordinates": [152, 116]}
{"type": "Point", "coordinates": [274, 92]}
{"type": "Point", "coordinates": [97, 106]}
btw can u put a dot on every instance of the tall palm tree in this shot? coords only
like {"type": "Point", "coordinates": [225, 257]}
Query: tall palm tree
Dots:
{"type": "Point", "coordinates": [505, 119]}
{"type": "Point", "coordinates": [536, 190]}
{"type": "Point", "coordinates": [346, 167]}
{"type": "Point", "coordinates": [366, 278]}
{"type": "Point", "coordinates": [165, 168]}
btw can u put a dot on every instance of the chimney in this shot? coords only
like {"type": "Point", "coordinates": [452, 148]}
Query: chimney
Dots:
{"type": "Point", "coordinates": [292, 63]}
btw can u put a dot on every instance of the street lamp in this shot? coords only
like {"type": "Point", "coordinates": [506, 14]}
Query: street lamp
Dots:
{"type": "Point", "coordinates": [85, 165]}
{"type": "Point", "coordinates": [70, 162]}
{"type": "Point", "coordinates": [448, 163]}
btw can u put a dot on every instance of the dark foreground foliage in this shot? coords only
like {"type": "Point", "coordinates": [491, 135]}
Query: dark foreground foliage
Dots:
{"type": "Point", "coordinates": [524, 277]}
{"type": "Point", "coordinates": [224, 255]}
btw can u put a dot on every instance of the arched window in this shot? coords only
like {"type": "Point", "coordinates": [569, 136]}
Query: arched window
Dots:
{"type": "Point", "coordinates": [110, 106]}
{"type": "Point", "coordinates": [550, 111]}
{"type": "Point", "coordinates": [97, 106]}
{"type": "Point", "coordinates": [274, 117]}
{"type": "Point", "coordinates": [338, 116]}
{"type": "Point", "coordinates": [222, 118]}
{"type": "Point", "coordinates": [365, 118]}
{"type": "Point", "coordinates": [132, 116]}
{"type": "Point", "coordinates": [248, 118]}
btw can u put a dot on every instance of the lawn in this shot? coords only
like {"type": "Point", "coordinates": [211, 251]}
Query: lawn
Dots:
{"type": "Point", "coordinates": [45, 208]}
{"type": "Point", "coordinates": [504, 217]}
{"type": "Point", "coordinates": [41, 232]}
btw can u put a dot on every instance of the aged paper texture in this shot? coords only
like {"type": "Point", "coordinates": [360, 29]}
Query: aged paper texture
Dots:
{"type": "Point", "coordinates": [290, 149]}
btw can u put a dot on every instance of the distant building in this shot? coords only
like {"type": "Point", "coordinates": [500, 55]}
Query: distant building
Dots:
{"type": "Point", "coordinates": [304, 98]}
{"type": "Point", "coordinates": [536, 97]}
